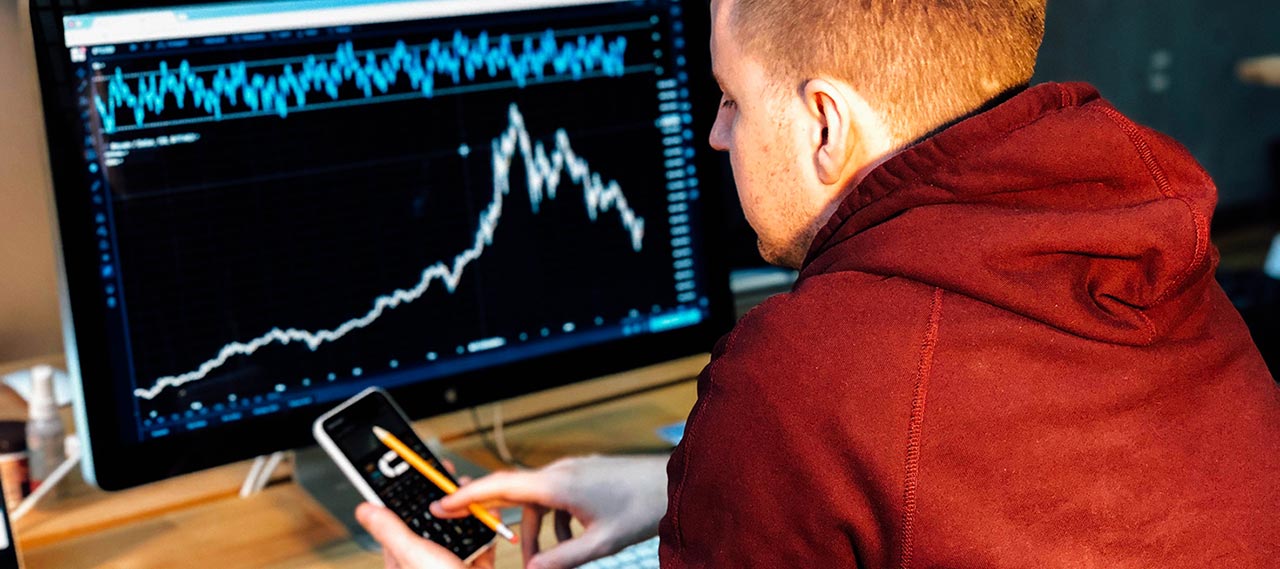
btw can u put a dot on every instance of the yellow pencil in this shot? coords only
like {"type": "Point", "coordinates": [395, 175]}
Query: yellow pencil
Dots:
{"type": "Point", "coordinates": [442, 481]}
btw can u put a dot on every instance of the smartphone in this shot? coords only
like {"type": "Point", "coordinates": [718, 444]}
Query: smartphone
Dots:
{"type": "Point", "coordinates": [346, 433]}
{"type": "Point", "coordinates": [8, 547]}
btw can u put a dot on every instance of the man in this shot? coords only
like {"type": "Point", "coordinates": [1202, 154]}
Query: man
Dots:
{"type": "Point", "coordinates": [1006, 347]}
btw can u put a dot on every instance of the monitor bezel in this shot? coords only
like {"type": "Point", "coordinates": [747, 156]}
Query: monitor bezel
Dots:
{"type": "Point", "coordinates": [112, 464]}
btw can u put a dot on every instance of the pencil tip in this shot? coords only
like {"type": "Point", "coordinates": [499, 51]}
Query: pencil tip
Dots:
{"type": "Point", "coordinates": [379, 431]}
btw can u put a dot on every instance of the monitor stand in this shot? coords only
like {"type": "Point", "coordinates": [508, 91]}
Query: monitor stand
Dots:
{"type": "Point", "coordinates": [317, 474]}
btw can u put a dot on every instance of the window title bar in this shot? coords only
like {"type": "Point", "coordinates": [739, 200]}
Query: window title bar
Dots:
{"type": "Point", "coordinates": [251, 17]}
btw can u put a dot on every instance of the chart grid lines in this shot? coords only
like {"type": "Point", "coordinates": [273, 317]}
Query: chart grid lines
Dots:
{"type": "Point", "coordinates": [544, 170]}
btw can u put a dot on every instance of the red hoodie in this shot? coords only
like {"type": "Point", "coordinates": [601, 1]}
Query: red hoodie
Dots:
{"type": "Point", "coordinates": [1006, 349]}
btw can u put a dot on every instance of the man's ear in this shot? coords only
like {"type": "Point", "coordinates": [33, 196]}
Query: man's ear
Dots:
{"type": "Point", "coordinates": [835, 132]}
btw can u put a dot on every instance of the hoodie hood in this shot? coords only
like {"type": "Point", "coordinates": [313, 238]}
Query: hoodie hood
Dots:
{"type": "Point", "coordinates": [1052, 205]}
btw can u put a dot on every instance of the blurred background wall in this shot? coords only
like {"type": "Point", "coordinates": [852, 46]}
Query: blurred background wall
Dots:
{"type": "Point", "coordinates": [1171, 65]}
{"type": "Point", "coordinates": [29, 324]}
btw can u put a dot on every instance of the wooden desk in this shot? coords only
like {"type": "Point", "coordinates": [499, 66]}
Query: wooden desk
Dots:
{"type": "Point", "coordinates": [199, 521]}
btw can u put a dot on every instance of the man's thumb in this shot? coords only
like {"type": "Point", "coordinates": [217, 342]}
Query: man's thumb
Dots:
{"type": "Point", "coordinates": [408, 548]}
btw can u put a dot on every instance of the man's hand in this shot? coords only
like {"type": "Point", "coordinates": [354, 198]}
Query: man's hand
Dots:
{"type": "Point", "coordinates": [619, 502]}
{"type": "Point", "coordinates": [403, 549]}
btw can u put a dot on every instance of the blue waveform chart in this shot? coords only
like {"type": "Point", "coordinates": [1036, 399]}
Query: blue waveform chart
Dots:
{"type": "Point", "coordinates": [548, 169]}
{"type": "Point", "coordinates": [184, 93]}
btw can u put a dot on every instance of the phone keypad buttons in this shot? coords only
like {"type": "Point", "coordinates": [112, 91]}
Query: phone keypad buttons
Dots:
{"type": "Point", "coordinates": [409, 497]}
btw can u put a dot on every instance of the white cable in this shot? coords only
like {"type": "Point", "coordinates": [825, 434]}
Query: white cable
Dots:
{"type": "Point", "coordinates": [251, 480]}
{"type": "Point", "coordinates": [500, 436]}
{"type": "Point", "coordinates": [72, 447]}
{"type": "Point", "coordinates": [264, 477]}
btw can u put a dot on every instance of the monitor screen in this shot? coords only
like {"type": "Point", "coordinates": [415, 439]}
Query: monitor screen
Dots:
{"type": "Point", "coordinates": [266, 207]}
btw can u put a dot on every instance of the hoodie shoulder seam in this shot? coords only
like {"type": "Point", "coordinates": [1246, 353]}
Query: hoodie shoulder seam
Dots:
{"type": "Point", "coordinates": [1161, 180]}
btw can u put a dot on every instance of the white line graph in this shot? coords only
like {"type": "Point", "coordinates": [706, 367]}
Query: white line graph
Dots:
{"type": "Point", "coordinates": [544, 175]}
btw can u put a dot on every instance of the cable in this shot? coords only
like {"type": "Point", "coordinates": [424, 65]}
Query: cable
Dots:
{"type": "Point", "coordinates": [264, 477]}
{"type": "Point", "coordinates": [498, 449]}
{"type": "Point", "coordinates": [251, 479]}
{"type": "Point", "coordinates": [72, 446]}
{"type": "Point", "coordinates": [500, 435]}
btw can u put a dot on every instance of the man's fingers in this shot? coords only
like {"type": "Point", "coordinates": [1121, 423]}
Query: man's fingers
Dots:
{"type": "Point", "coordinates": [399, 543]}
{"type": "Point", "coordinates": [385, 527]}
{"type": "Point", "coordinates": [486, 560]}
{"type": "Point", "coordinates": [530, 527]}
{"type": "Point", "coordinates": [588, 547]}
{"type": "Point", "coordinates": [389, 560]}
{"type": "Point", "coordinates": [564, 532]}
{"type": "Point", "coordinates": [492, 505]}
{"type": "Point", "coordinates": [496, 490]}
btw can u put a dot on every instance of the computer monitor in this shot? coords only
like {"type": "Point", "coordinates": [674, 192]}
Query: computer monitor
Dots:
{"type": "Point", "coordinates": [264, 207]}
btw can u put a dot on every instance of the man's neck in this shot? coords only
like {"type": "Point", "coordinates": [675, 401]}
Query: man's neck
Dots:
{"type": "Point", "coordinates": [989, 104]}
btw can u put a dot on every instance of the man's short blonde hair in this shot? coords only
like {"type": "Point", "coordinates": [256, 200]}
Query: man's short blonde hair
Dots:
{"type": "Point", "coordinates": [922, 63]}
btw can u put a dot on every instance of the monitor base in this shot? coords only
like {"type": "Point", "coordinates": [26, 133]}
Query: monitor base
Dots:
{"type": "Point", "coordinates": [317, 474]}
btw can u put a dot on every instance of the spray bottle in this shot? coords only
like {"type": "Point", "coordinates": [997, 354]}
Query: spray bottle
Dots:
{"type": "Point", "coordinates": [45, 433]}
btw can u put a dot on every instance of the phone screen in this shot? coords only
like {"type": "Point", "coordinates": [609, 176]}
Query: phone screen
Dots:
{"type": "Point", "coordinates": [401, 488]}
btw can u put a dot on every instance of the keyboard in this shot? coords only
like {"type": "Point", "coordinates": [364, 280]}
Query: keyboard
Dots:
{"type": "Point", "coordinates": [643, 555]}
